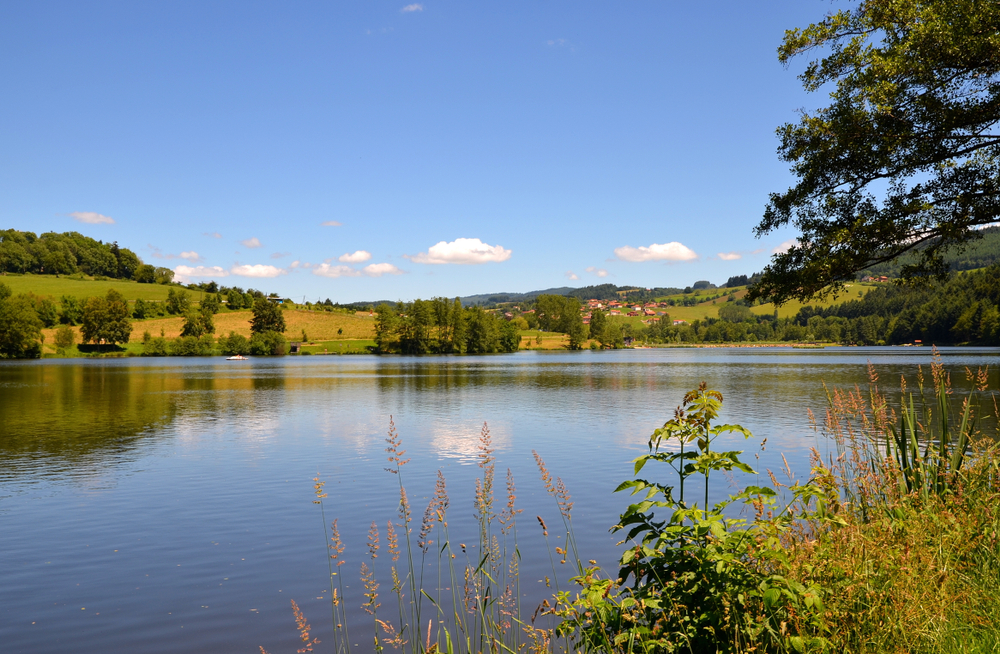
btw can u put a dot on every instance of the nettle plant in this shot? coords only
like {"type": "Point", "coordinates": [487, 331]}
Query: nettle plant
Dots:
{"type": "Point", "coordinates": [693, 578]}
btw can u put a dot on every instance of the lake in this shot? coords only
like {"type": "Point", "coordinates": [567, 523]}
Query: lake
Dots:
{"type": "Point", "coordinates": [166, 505]}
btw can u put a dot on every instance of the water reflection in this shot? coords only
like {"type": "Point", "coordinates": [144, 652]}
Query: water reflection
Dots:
{"type": "Point", "coordinates": [71, 413]}
{"type": "Point", "coordinates": [191, 494]}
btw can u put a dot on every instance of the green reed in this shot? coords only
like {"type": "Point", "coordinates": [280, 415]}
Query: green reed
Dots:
{"type": "Point", "coordinates": [474, 602]}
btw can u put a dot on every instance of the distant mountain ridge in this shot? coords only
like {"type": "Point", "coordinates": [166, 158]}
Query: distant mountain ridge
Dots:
{"type": "Point", "coordinates": [598, 292]}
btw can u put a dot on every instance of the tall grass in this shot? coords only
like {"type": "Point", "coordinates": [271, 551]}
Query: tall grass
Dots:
{"type": "Point", "coordinates": [426, 593]}
{"type": "Point", "coordinates": [891, 545]}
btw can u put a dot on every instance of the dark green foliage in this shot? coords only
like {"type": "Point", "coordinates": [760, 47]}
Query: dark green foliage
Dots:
{"type": "Point", "coordinates": [268, 344]}
{"type": "Point", "coordinates": [70, 310]}
{"type": "Point", "coordinates": [732, 312]}
{"type": "Point", "coordinates": [198, 323]}
{"type": "Point", "coordinates": [47, 311]}
{"type": "Point", "coordinates": [442, 326]}
{"type": "Point", "coordinates": [234, 344]}
{"type": "Point", "coordinates": [142, 310]}
{"type": "Point", "coordinates": [597, 323]}
{"type": "Point", "coordinates": [234, 300]}
{"type": "Point", "coordinates": [211, 303]}
{"type": "Point", "coordinates": [155, 347]}
{"type": "Point", "coordinates": [612, 336]}
{"type": "Point", "coordinates": [267, 317]}
{"type": "Point", "coordinates": [106, 319]}
{"type": "Point", "coordinates": [561, 314]}
{"type": "Point", "coordinates": [145, 274]}
{"type": "Point", "coordinates": [20, 326]}
{"type": "Point", "coordinates": [65, 338]}
{"type": "Point", "coordinates": [178, 302]}
{"type": "Point", "coordinates": [905, 156]}
{"type": "Point", "coordinates": [64, 254]}
{"type": "Point", "coordinates": [962, 309]}
{"type": "Point", "coordinates": [192, 346]}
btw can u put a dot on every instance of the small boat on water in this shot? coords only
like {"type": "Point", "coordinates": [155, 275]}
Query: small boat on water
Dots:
{"type": "Point", "coordinates": [237, 357]}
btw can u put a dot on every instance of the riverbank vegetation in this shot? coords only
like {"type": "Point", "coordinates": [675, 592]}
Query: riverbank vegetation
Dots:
{"type": "Point", "coordinates": [888, 545]}
{"type": "Point", "coordinates": [442, 326]}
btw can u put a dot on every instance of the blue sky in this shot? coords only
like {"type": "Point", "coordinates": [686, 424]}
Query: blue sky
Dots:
{"type": "Point", "coordinates": [386, 150]}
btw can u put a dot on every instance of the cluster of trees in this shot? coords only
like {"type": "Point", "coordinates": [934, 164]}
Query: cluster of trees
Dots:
{"type": "Point", "coordinates": [20, 326]}
{"type": "Point", "coordinates": [558, 313]}
{"type": "Point", "coordinates": [961, 309]}
{"type": "Point", "coordinates": [442, 326]}
{"type": "Point", "coordinates": [197, 333]}
{"type": "Point", "coordinates": [66, 254]}
{"type": "Point", "coordinates": [107, 320]}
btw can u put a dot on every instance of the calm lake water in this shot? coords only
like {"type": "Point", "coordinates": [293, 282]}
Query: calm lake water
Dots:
{"type": "Point", "coordinates": [166, 505]}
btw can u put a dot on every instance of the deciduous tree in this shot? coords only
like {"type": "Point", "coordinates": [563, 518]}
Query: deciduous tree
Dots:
{"type": "Point", "coordinates": [106, 319]}
{"type": "Point", "coordinates": [20, 327]}
{"type": "Point", "coordinates": [267, 317]}
{"type": "Point", "coordinates": [906, 157]}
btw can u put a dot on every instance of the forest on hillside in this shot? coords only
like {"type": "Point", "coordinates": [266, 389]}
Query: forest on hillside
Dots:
{"type": "Point", "coordinates": [71, 253]}
{"type": "Point", "coordinates": [980, 253]}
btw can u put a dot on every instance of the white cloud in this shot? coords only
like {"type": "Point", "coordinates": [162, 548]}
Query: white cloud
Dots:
{"type": "Point", "coordinates": [730, 256]}
{"type": "Point", "coordinates": [186, 273]}
{"type": "Point", "coordinates": [784, 247]}
{"type": "Point", "coordinates": [600, 272]}
{"type": "Point", "coordinates": [251, 242]}
{"type": "Point", "coordinates": [92, 218]}
{"type": "Point", "coordinates": [280, 255]}
{"type": "Point", "coordinates": [411, 8]}
{"type": "Point", "coordinates": [190, 255]}
{"type": "Point", "coordinates": [294, 264]}
{"type": "Point", "coordinates": [257, 270]}
{"type": "Point", "coordinates": [379, 269]}
{"type": "Point", "coordinates": [572, 275]}
{"type": "Point", "coordinates": [326, 270]}
{"type": "Point", "coordinates": [462, 251]}
{"type": "Point", "coordinates": [212, 234]}
{"type": "Point", "coordinates": [330, 223]}
{"type": "Point", "coordinates": [358, 257]}
{"type": "Point", "coordinates": [672, 251]}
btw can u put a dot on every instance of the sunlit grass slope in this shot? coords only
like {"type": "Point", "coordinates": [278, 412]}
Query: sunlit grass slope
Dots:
{"type": "Point", "coordinates": [56, 287]}
{"type": "Point", "coordinates": [318, 325]}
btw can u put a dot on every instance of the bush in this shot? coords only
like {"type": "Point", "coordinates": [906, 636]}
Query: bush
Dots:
{"type": "Point", "coordinates": [155, 347]}
{"type": "Point", "coordinates": [65, 338]}
{"type": "Point", "coordinates": [267, 344]}
{"type": "Point", "coordinates": [234, 344]}
{"type": "Point", "coordinates": [191, 346]}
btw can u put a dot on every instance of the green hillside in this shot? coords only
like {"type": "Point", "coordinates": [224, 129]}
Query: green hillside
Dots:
{"type": "Point", "coordinates": [82, 287]}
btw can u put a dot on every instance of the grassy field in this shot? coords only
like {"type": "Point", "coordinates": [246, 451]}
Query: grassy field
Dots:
{"type": "Point", "coordinates": [56, 287]}
{"type": "Point", "coordinates": [355, 346]}
{"type": "Point", "coordinates": [789, 309]}
{"type": "Point", "coordinates": [320, 326]}
{"type": "Point", "coordinates": [550, 340]}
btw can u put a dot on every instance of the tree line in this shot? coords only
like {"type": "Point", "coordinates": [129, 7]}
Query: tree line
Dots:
{"type": "Point", "coordinates": [441, 326]}
{"type": "Point", "coordinates": [106, 322]}
{"type": "Point", "coordinates": [71, 253]}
